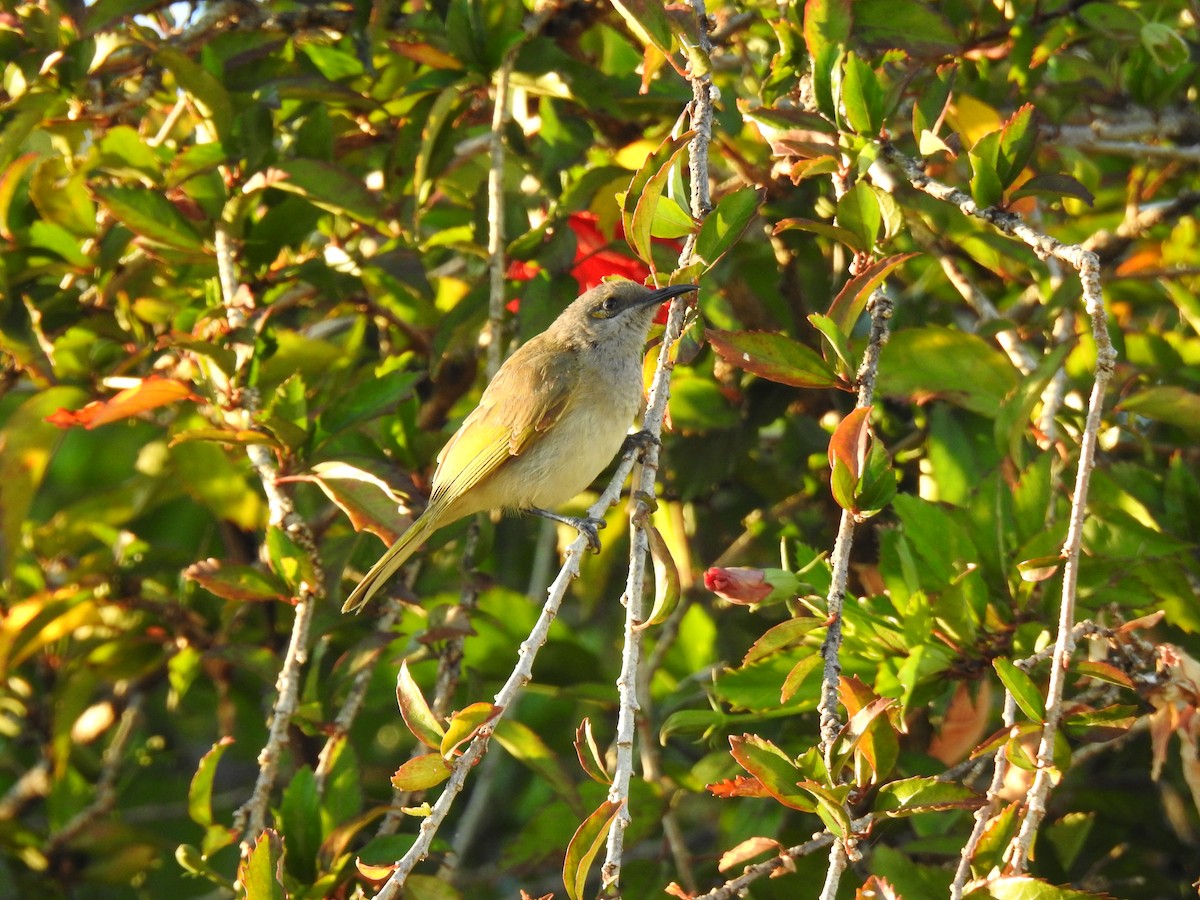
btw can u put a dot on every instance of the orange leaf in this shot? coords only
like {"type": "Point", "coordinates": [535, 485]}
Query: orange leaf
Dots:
{"type": "Point", "coordinates": [746, 851]}
{"type": "Point", "coordinates": [149, 393]}
{"type": "Point", "coordinates": [850, 441]}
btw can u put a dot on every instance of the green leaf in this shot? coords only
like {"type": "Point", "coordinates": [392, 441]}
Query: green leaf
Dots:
{"type": "Point", "coordinates": [1054, 186]}
{"type": "Point", "coordinates": [465, 724]}
{"type": "Point", "coordinates": [209, 95]}
{"type": "Point", "coordinates": [150, 215]}
{"type": "Point", "coordinates": [1014, 419]}
{"type": "Point", "coordinates": [726, 224]}
{"type": "Point", "coordinates": [666, 579]}
{"type": "Point", "coordinates": [590, 758]}
{"type": "Point", "coordinates": [781, 637]}
{"type": "Point", "coordinates": [835, 232]}
{"type": "Point", "coordinates": [123, 151]}
{"type": "Point", "coordinates": [300, 822]}
{"type": "Point", "coordinates": [1166, 403]}
{"type": "Point", "coordinates": [852, 299]}
{"type": "Point", "coordinates": [1018, 137]}
{"type": "Point", "coordinates": [841, 485]}
{"type": "Point", "coordinates": [1103, 671]}
{"type": "Point", "coordinates": [934, 361]}
{"type": "Point", "coordinates": [648, 21]}
{"type": "Point", "coordinates": [1024, 887]}
{"type": "Point", "coordinates": [199, 800]}
{"type": "Point", "coordinates": [421, 773]}
{"type": "Point", "coordinates": [910, 25]}
{"type": "Point", "coordinates": [371, 398]}
{"type": "Point", "coordinates": [326, 186]}
{"type": "Point", "coordinates": [527, 747]}
{"type": "Point", "coordinates": [416, 713]}
{"type": "Point", "coordinates": [877, 484]}
{"type": "Point", "coordinates": [645, 190]}
{"type": "Point", "coordinates": [62, 198]}
{"type": "Point", "coordinates": [258, 872]}
{"type": "Point", "coordinates": [835, 343]}
{"type": "Point", "coordinates": [862, 96]}
{"type": "Point", "coordinates": [859, 213]}
{"type": "Point", "coordinates": [1021, 686]}
{"type": "Point", "coordinates": [774, 356]}
{"type": "Point", "coordinates": [234, 582]}
{"type": "Point", "coordinates": [53, 237]}
{"type": "Point", "coordinates": [773, 769]}
{"type": "Point", "coordinates": [288, 560]}
{"type": "Point", "coordinates": [104, 13]}
{"type": "Point", "coordinates": [831, 806]}
{"type": "Point", "coordinates": [826, 23]}
{"type": "Point", "coordinates": [930, 103]}
{"type": "Point", "coordinates": [911, 796]}
{"type": "Point", "coordinates": [366, 499]}
{"type": "Point", "coordinates": [986, 186]}
{"type": "Point", "coordinates": [589, 837]}
{"type": "Point", "coordinates": [798, 676]}
{"type": "Point", "coordinates": [10, 180]}
{"type": "Point", "coordinates": [697, 404]}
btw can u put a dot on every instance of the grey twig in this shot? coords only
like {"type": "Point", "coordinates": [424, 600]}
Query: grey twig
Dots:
{"type": "Point", "coordinates": [701, 115]}
{"type": "Point", "coordinates": [1087, 265]}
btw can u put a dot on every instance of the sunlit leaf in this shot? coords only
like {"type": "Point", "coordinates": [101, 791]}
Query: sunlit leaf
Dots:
{"type": "Point", "coordinates": [726, 223]}
{"type": "Point", "coordinates": [416, 713]}
{"type": "Point", "coordinates": [645, 191]}
{"type": "Point", "coordinates": [259, 871]}
{"type": "Point", "coordinates": [859, 213]}
{"type": "Point", "coordinates": [589, 837]}
{"type": "Point", "coordinates": [421, 773]}
{"type": "Point", "coordinates": [666, 579]}
{"type": "Point", "coordinates": [780, 637]}
{"type": "Point", "coordinates": [852, 299]}
{"type": "Point", "coordinates": [911, 796]}
{"type": "Point", "coordinates": [777, 774]}
{"type": "Point", "coordinates": [590, 759]}
{"type": "Point", "coordinates": [465, 724]}
{"type": "Point", "coordinates": [1021, 686]}
{"type": "Point", "coordinates": [150, 215]}
{"type": "Point", "coordinates": [774, 356]}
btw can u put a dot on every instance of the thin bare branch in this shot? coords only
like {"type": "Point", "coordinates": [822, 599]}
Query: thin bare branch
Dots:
{"type": "Point", "coordinates": [250, 818]}
{"type": "Point", "coordinates": [1087, 264]}
{"type": "Point", "coordinates": [701, 120]}
{"type": "Point", "coordinates": [504, 699]}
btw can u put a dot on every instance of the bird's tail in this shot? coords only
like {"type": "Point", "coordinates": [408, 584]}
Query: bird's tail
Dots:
{"type": "Point", "coordinates": [396, 555]}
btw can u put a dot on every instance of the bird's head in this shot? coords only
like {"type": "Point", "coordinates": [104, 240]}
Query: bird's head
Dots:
{"type": "Point", "coordinates": [616, 310]}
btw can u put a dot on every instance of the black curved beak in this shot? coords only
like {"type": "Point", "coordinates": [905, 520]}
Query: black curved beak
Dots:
{"type": "Point", "coordinates": [664, 294]}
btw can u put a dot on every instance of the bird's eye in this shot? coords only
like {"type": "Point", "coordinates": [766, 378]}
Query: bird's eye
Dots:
{"type": "Point", "coordinates": [606, 310]}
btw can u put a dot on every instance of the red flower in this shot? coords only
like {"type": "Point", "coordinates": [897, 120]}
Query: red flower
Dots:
{"type": "Point", "coordinates": [596, 256]}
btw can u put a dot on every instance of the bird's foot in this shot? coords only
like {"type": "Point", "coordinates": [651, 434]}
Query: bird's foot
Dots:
{"type": "Point", "coordinates": [639, 442]}
{"type": "Point", "coordinates": [585, 525]}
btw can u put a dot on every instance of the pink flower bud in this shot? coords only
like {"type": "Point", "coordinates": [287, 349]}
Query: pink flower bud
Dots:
{"type": "Point", "coordinates": [738, 584]}
{"type": "Point", "coordinates": [741, 584]}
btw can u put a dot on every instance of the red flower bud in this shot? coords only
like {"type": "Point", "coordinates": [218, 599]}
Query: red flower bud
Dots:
{"type": "Point", "coordinates": [741, 584]}
{"type": "Point", "coordinates": [738, 584]}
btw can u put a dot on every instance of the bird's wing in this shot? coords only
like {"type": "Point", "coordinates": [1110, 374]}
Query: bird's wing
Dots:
{"type": "Point", "coordinates": [536, 393]}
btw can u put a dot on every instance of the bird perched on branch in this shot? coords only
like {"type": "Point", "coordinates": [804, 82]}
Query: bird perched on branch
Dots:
{"type": "Point", "coordinates": [552, 418]}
